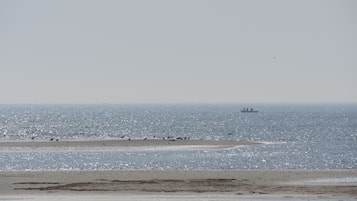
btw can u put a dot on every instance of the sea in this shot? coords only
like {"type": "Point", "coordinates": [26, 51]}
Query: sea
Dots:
{"type": "Point", "coordinates": [293, 136]}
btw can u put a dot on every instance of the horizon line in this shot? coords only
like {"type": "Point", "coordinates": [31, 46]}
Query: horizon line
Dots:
{"type": "Point", "coordinates": [191, 103]}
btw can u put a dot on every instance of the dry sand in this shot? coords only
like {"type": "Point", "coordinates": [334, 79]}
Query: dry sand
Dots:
{"type": "Point", "coordinates": [175, 184]}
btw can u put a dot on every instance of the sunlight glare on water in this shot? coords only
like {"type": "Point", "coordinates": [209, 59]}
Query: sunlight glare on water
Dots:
{"type": "Point", "coordinates": [295, 136]}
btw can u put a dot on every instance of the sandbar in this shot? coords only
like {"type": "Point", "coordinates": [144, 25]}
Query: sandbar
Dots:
{"type": "Point", "coordinates": [124, 144]}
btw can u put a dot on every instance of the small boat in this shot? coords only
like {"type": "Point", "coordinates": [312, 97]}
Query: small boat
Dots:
{"type": "Point", "coordinates": [247, 110]}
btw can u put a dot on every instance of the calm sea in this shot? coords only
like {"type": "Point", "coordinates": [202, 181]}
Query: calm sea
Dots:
{"type": "Point", "coordinates": [297, 136]}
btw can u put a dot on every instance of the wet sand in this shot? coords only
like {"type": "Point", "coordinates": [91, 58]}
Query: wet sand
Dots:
{"type": "Point", "coordinates": [176, 184]}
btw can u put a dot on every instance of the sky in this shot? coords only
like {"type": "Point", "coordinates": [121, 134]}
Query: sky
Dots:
{"type": "Point", "coordinates": [178, 51]}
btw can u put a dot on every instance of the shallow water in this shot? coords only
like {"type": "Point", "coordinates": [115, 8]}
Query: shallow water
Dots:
{"type": "Point", "coordinates": [344, 180]}
{"type": "Point", "coordinates": [299, 136]}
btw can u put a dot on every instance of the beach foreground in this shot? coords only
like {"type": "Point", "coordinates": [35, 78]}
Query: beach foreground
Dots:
{"type": "Point", "coordinates": [178, 184]}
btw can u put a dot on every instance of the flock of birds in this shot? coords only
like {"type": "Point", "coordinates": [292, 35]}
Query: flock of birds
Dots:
{"type": "Point", "coordinates": [51, 139]}
{"type": "Point", "coordinates": [169, 138]}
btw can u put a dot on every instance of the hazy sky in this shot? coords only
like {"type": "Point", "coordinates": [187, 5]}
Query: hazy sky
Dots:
{"type": "Point", "coordinates": [166, 51]}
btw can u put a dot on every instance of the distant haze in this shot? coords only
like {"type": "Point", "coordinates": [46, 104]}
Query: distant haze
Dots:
{"type": "Point", "coordinates": [184, 51]}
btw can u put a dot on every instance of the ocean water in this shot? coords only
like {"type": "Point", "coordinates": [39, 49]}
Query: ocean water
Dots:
{"type": "Point", "coordinates": [296, 136]}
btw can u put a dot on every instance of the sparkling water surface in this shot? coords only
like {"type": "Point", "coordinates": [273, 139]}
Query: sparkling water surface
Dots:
{"type": "Point", "coordinates": [298, 136]}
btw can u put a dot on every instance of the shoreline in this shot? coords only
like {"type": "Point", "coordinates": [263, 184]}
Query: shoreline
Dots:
{"type": "Point", "coordinates": [171, 185]}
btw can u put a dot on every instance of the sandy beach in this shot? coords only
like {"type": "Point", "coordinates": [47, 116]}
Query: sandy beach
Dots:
{"type": "Point", "coordinates": [175, 184]}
